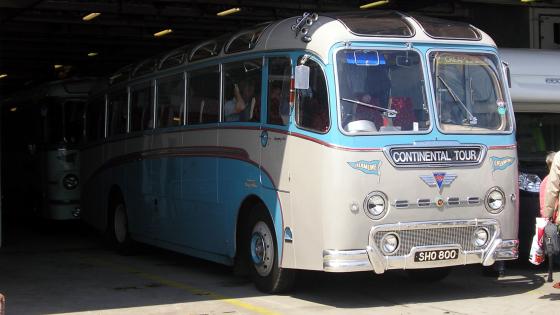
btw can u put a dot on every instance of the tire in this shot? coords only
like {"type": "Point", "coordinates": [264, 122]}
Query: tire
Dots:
{"type": "Point", "coordinates": [118, 232]}
{"type": "Point", "coordinates": [429, 275]}
{"type": "Point", "coordinates": [263, 259]}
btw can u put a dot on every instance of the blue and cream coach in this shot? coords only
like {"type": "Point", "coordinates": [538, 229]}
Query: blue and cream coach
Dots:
{"type": "Point", "coordinates": [338, 142]}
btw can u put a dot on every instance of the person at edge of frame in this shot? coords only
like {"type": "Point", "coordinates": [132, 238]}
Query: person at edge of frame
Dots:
{"type": "Point", "coordinates": [551, 195]}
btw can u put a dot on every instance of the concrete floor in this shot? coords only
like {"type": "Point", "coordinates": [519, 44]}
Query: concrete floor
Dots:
{"type": "Point", "coordinates": [65, 268]}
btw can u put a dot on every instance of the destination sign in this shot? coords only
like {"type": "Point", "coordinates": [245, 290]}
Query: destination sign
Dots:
{"type": "Point", "coordinates": [410, 156]}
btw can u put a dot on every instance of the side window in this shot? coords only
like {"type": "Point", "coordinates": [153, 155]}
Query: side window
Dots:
{"type": "Point", "coordinates": [278, 100]}
{"type": "Point", "coordinates": [203, 96]}
{"type": "Point", "coordinates": [170, 101]}
{"type": "Point", "coordinates": [312, 106]}
{"type": "Point", "coordinates": [117, 112]}
{"type": "Point", "coordinates": [141, 107]}
{"type": "Point", "coordinates": [95, 119]}
{"type": "Point", "coordinates": [242, 90]}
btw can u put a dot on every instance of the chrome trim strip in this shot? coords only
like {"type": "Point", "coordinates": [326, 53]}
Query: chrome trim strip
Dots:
{"type": "Point", "coordinates": [401, 204]}
{"type": "Point", "coordinates": [346, 260]}
{"type": "Point", "coordinates": [425, 203]}
{"type": "Point", "coordinates": [473, 200]}
{"type": "Point", "coordinates": [453, 201]}
{"type": "Point", "coordinates": [428, 203]}
{"type": "Point", "coordinates": [508, 250]}
{"type": "Point", "coordinates": [381, 263]}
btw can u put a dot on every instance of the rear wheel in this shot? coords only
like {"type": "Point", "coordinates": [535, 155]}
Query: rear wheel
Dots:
{"type": "Point", "coordinates": [263, 259]}
{"type": "Point", "coordinates": [118, 228]}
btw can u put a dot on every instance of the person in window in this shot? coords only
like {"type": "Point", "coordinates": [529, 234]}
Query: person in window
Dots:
{"type": "Point", "coordinates": [242, 106]}
{"type": "Point", "coordinates": [276, 107]}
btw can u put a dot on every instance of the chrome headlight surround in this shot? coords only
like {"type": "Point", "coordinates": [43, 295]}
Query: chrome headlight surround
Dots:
{"type": "Point", "coordinates": [70, 181]}
{"type": "Point", "coordinates": [389, 243]}
{"type": "Point", "coordinates": [495, 200]}
{"type": "Point", "coordinates": [481, 236]}
{"type": "Point", "coordinates": [375, 205]}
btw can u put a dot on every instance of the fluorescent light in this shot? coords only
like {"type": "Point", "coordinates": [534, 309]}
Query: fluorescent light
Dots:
{"type": "Point", "coordinates": [374, 4]}
{"type": "Point", "coordinates": [91, 16]}
{"type": "Point", "coordinates": [228, 12]}
{"type": "Point", "coordinates": [526, 1]}
{"type": "Point", "coordinates": [13, 109]}
{"type": "Point", "coordinates": [3, 75]}
{"type": "Point", "coordinates": [162, 33]}
{"type": "Point", "coordinates": [92, 54]}
{"type": "Point", "coordinates": [58, 66]}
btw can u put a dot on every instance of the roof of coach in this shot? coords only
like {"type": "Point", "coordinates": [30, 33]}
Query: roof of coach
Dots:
{"type": "Point", "coordinates": [316, 33]}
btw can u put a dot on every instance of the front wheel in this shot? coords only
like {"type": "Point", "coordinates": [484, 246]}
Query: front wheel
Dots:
{"type": "Point", "coordinates": [263, 259]}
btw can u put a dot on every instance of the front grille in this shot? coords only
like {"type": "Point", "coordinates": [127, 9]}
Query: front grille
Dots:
{"type": "Point", "coordinates": [461, 235]}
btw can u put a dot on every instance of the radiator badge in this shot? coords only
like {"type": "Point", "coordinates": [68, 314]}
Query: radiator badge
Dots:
{"type": "Point", "coordinates": [368, 167]}
{"type": "Point", "coordinates": [438, 179]}
{"type": "Point", "coordinates": [500, 164]}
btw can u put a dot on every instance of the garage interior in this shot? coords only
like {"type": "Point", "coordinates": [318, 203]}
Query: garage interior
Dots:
{"type": "Point", "coordinates": [46, 40]}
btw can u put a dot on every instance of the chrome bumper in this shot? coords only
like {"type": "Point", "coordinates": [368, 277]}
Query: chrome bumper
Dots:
{"type": "Point", "coordinates": [371, 258]}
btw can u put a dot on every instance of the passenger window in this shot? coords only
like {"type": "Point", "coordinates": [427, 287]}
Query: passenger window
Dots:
{"type": "Point", "coordinates": [117, 112]}
{"type": "Point", "coordinates": [278, 100]}
{"type": "Point", "coordinates": [203, 96]}
{"type": "Point", "coordinates": [312, 106]}
{"type": "Point", "coordinates": [170, 101]}
{"type": "Point", "coordinates": [141, 107]}
{"type": "Point", "coordinates": [242, 90]}
{"type": "Point", "coordinates": [95, 119]}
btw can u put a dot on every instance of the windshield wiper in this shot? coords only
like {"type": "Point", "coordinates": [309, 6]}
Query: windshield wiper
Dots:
{"type": "Point", "coordinates": [390, 113]}
{"type": "Point", "coordinates": [470, 116]}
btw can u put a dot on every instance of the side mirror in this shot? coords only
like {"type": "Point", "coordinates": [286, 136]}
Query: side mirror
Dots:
{"type": "Point", "coordinates": [507, 73]}
{"type": "Point", "coordinates": [302, 77]}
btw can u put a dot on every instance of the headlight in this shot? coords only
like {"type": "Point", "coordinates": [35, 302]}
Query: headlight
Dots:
{"type": "Point", "coordinates": [70, 181]}
{"type": "Point", "coordinates": [480, 237]}
{"type": "Point", "coordinates": [375, 205]}
{"type": "Point", "coordinates": [389, 243]}
{"type": "Point", "coordinates": [529, 182]}
{"type": "Point", "coordinates": [495, 200]}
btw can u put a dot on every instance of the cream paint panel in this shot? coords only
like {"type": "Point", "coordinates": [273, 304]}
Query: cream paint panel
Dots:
{"type": "Point", "coordinates": [200, 138]}
{"type": "Point", "coordinates": [275, 159]}
{"type": "Point", "coordinates": [310, 185]}
{"type": "Point", "coordinates": [324, 187]}
{"type": "Point", "coordinates": [288, 253]}
{"type": "Point", "coordinates": [247, 139]}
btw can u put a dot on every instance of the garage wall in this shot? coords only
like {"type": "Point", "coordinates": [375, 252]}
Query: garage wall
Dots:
{"type": "Point", "coordinates": [508, 25]}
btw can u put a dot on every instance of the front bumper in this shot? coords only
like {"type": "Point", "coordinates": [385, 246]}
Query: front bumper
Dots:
{"type": "Point", "coordinates": [372, 258]}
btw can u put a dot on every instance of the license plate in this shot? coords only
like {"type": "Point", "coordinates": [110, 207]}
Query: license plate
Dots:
{"type": "Point", "coordinates": [434, 255]}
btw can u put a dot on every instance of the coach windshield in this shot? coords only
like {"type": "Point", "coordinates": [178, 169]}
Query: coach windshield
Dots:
{"type": "Point", "coordinates": [469, 95]}
{"type": "Point", "coordinates": [381, 91]}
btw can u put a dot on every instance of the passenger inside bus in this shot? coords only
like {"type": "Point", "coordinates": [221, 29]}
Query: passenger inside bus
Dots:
{"type": "Point", "coordinates": [241, 107]}
{"type": "Point", "coordinates": [384, 80]}
{"type": "Point", "coordinates": [277, 106]}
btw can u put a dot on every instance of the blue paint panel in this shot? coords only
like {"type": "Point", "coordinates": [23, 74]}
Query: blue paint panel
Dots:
{"type": "Point", "coordinates": [233, 176]}
{"type": "Point", "coordinates": [139, 196]}
{"type": "Point", "coordinates": [198, 199]}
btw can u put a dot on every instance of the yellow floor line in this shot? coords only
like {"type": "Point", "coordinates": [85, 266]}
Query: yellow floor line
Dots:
{"type": "Point", "coordinates": [184, 287]}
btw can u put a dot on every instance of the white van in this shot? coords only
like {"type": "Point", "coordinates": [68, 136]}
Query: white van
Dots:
{"type": "Point", "coordinates": [535, 93]}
